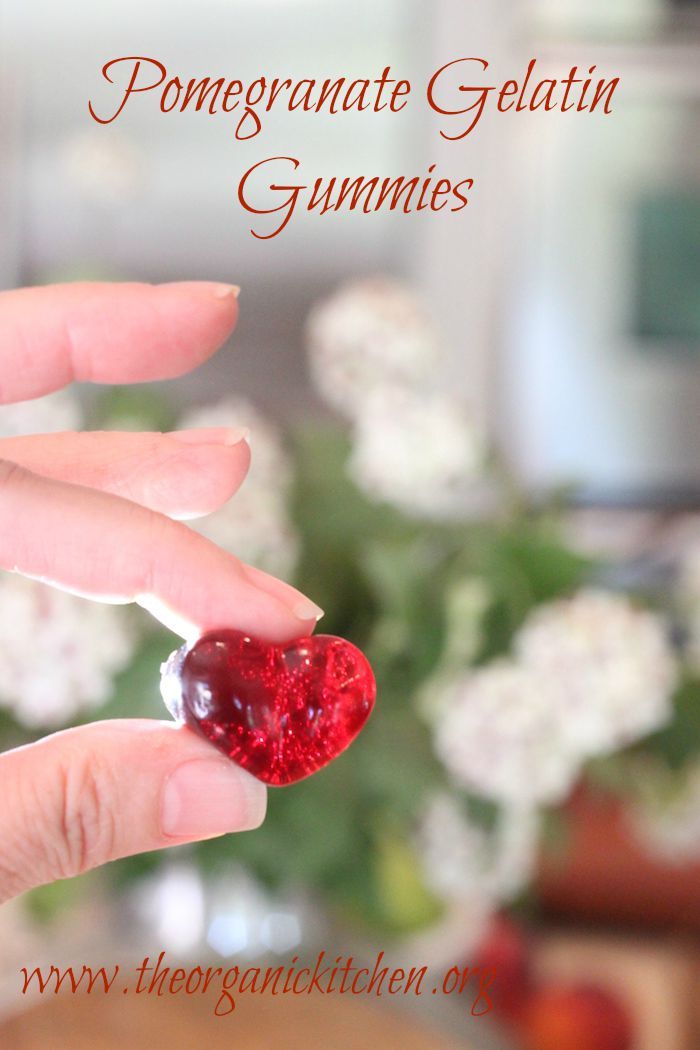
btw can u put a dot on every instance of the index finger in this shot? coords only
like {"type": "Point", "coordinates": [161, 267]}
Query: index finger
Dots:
{"type": "Point", "coordinates": [105, 547]}
{"type": "Point", "coordinates": [108, 333]}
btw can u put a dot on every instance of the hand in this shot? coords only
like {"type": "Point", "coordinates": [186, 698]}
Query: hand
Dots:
{"type": "Point", "coordinates": [93, 513]}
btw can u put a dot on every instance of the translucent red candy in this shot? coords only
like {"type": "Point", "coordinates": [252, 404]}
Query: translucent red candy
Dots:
{"type": "Point", "coordinates": [280, 711]}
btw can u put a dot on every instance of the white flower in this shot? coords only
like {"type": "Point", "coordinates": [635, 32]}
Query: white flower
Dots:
{"type": "Point", "coordinates": [375, 356]}
{"type": "Point", "coordinates": [255, 524]}
{"type": "Point", "coordinates": [43, 415]}
{"type": "Point", "coordinates": [499, 736]}
{"type": "Point", "coordinates": [667, 822]}
{"type": "Point", "coordinates": [455, 852]}
{"type": "Point", "coordinates": [418, 452]}
{"type": "Point", "coordinates": [517, 841]}
{"type": "Point", "coordinates": [59, 653]}
{"type": "Point", "coordinates": [370, 335]}
{"type": "Point", "coordinates": [463, 860]}
{"type": "Point", "coordinates": [610, 663]}
{"type": "Point", "coordinates": [590, 675]}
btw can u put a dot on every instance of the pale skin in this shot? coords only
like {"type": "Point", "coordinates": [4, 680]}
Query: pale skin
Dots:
{"type": "Point", "coordinates": [97, 514]}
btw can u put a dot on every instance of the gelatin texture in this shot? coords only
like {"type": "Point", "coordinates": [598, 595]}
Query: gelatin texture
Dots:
{"type": "Point", "coordinates": [282, 712]}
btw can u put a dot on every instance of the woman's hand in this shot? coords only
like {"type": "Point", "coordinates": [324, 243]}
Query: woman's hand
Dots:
{"type": "Point", "coordinates": [93, 514]}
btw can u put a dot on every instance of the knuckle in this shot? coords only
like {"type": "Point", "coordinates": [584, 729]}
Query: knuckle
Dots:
{"type": "Point", "coordinates": [10, 473]}
{"type": "Point", "coordinates": [84, 832]}
{"type": "Point", "coordinates": [158, 566]}
{"type": "Point", "coordinates": [61, 818]}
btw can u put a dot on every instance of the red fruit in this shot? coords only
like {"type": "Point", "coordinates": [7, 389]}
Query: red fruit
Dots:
{"type": "Point", "coordinates": [280, 711]}
{"type": "Point", "coordinates": [505, 951]}
{"type": "Point", "coordinates": [575, 1017]}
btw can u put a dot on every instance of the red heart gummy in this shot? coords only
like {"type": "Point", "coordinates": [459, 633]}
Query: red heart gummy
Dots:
{"type": "Point", "coordinates": [280, 711]}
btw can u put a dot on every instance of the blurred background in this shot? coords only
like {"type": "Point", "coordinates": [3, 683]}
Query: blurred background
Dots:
{"type": "Point", "coordinates": [476, 443]}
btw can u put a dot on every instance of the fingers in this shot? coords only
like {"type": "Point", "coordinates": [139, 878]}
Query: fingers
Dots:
{"type": "Point", "coordinates": [108, 333]}
{"type": "Point", "coordinates": [184, 474]}
{"type": "Point", "coordinates": [106, 547]}
{"type": "Point", "coordinates": [89, 795]}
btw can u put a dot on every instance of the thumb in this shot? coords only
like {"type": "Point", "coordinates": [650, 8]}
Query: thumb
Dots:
{"type": "Point", "coordinates": [88, 795]}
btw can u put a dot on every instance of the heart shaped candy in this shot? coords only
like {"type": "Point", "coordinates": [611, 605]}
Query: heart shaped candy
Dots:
{"type": "Point", "coordinates": [280, 711]}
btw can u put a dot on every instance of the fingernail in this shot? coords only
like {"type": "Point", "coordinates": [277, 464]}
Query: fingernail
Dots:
{"type": "Point", "coordinates": [211, 436]}
{"type": "Point", "coordinates": [298, 604]}
{"type": "Point", "coordinates": [208, 797]}
{"type": "Point", "coordinates": [223, 291]}
{"type": "Point", "coordinates": [307, 610]}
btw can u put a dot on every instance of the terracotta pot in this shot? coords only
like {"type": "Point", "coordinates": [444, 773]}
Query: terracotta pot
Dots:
{"type": "Point", "coordinates": [604, 875]}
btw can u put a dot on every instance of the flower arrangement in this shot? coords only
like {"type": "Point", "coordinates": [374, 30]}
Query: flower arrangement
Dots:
{"type": "Point", "coordinates": [507, 662]}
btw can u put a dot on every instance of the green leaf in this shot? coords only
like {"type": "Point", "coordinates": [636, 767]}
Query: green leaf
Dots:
{"type": "Point", "coordinates": [402, 896]}
{"type": "Point", "coordinates": [679, 741]}
{"type": "Point", "coordinates": [46, 903]}
{"type": "Point", "coordinates": [139, 407]}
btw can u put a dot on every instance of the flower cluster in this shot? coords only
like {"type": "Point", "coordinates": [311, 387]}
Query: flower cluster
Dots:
{"type": "Point", "coordinates": [471, 869]}
{"type": "Point", "coordinates": [611, 663]}
{"type": "Point", "coordinates": [416, 452]}
{"type": "Point", "coordinates": [376, 358]}
{"type": "Point", "coordinates": [83, 645]}
{"type": "Point", "coordinates": [589, 674]}
{"type": "Point", "coordinates": [370, 335]}
{"type": "Point", "coordinates": [460, 856]}
{"type": "Point", "coordinates": [496, 735]}
{"type": "Point", "coordinates": [255, 524]}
